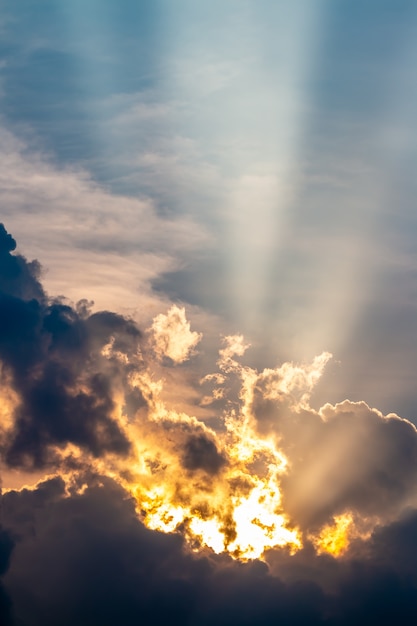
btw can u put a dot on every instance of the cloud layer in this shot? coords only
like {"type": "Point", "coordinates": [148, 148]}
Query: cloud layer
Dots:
{"type": "Point", "coordinates": [272, 511]}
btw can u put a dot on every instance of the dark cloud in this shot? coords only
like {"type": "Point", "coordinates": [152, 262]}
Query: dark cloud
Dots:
{"type": "Point", "coordinates": [18, 278]}
{"type": "Point", "coordinates": [87, 559]}
{"type": "Point", "coordinates": [96, 563]}
{"type": "Point", "coordinates": [52, 354]}
{"type": "Point", "coordinates": [6, 548]}
{"type": "Point", "coordinates": [200, 452]}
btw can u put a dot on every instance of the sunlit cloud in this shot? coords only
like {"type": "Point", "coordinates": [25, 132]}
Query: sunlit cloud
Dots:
{"type": "Point", "coordinates": [273, 472]}
{"type": "Point", "coordinates": [172, 335]}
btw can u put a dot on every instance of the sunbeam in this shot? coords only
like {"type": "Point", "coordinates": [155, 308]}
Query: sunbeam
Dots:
{"type": "Point", "coordinates": [208, 315]}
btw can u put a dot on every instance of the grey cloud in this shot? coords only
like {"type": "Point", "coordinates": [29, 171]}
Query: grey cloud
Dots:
{"type": "Point", "coordinates": [87, 559]}
{"type": "Point", "coordinates": [51, 352]}
{"type": "Point", "coordinates": [200, 452]}
{"type": "Point", "coordinates": [345, 457]}
{"type": "Point", "coordinates": [6, 548]}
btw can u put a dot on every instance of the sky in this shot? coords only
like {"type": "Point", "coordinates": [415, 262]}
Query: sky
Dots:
{"type": "Point", "coordinates": [208, 312]}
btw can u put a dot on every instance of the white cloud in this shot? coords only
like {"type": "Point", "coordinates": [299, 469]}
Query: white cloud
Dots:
{"type": "Point", "coordinates": [173, 336]}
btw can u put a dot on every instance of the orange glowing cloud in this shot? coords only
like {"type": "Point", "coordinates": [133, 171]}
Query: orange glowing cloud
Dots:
{"type": "Point", "coordinates": [258, 469]}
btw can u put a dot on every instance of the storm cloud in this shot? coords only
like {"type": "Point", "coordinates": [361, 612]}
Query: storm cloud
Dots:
{"type": "Point", "coordinates": [87, 559]}
{"type": "Point", "coordinates": [51, 355]}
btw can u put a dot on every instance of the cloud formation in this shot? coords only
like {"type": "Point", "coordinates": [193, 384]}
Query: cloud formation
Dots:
{"type": "Point", "coordinates": [51, 357]}
{"type": "Point", "coordinates": [61, 212]}
{"type": "Point", "coordinates": [86, 558]}
{"type": "Point", "coordinates": [172, 335]}
{"type": "Point", "coordinates": [272, 512]}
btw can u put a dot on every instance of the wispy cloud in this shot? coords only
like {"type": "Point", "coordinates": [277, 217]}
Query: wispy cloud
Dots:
{"type": "Point", "coordinates": [62, 214]}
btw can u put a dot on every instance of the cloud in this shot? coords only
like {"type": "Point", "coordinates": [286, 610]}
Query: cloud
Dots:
{"type": "Point", "coordinates": [172, 335]}
{"type": "Point", "coordinates": [6, 548]}
{"type": "Point", "coordinates": [341, 458]}
{"type": "Point", "coordinates": [73, 222]}
{"type": "Point", "coordinates": [201, 453]}
{"type": "Point", "coordinates": [346, 456]}
{"type": "Point", "coordinates": [51, 355]}
{"type": "Point", "coordinates": [94, 561]}
{"type": "Point", "coordinates": [84, 388]}
{"type": "Point", "coordinates": [273, 511]}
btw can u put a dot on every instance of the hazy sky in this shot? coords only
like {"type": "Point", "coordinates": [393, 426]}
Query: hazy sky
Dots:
{"type": "Point", "coordinates": [252, 164]}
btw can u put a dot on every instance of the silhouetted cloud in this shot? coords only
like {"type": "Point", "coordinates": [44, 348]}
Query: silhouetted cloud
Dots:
{"type": "Point", "coordinates": [6, 547]}
{"type": "Point", "coordinates": [52, 354]}
{"type": "Point", "coordinates": [87, 559]}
